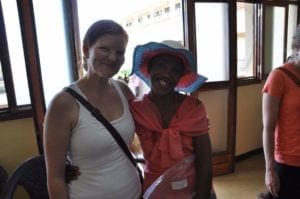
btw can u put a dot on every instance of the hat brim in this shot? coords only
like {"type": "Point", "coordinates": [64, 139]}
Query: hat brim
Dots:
{"type": "Point", "coordinates": [142, 55]}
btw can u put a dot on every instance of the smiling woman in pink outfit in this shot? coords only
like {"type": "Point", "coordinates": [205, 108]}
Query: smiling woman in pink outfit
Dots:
{"type": "Point", "coordinates": [171, 125]}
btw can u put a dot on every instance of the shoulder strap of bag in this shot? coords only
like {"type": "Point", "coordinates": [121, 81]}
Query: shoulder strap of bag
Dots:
{"type": "Point", "coordinates": [96, 113]}
{"type": "Point", "coordinates": [290, 75]}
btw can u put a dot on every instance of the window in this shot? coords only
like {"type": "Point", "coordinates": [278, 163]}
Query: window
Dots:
{"type": "Point", "coordinates": [14, 91]}
{"type": "Point", "coordinates": [177, 7]}
{"type": "Point", "coordinates": [129, 23]}
{"type": "Point", "coordinates": [21, 55]}
{"type": "Point", "coordinates": [292, 24]}
{"type": "Point", "coordinates": [212, 40]}
{"type": "Point", "coordinates": [274, 37]}
{"type": "Point", "coordinates": [157, 13]}
{"type": "Point", "coordinates": [140, 19]}
{"type": "Point", "coordinates": [3, 97]}
{"type": "Point", "coordinates": [245, 40]}
{"type": "Point", "coordinates": [167, 10]}
{"type": "Point", "coordinates": [258, 49]}
{"type": "Point", "coordinates": [53, 48]}
{"type": "Point", "coordinates": [15, 48]}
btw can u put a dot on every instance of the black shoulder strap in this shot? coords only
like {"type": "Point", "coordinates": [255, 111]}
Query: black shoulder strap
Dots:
{"type": "Point", "coordinates": [290, 75]}
{"type": "Point", "coordinates": [96, 113]}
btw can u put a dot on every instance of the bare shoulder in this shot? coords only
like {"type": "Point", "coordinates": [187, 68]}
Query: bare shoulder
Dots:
{"type": "Point", "coordinates": [62, 100]}
{"type": "Point", "coordinates": [64, 108]}
{"type": "Point", "coordinates": [126, 90]}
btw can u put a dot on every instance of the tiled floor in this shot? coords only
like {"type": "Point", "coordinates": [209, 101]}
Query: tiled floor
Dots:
{"type": "Point", "coordinates": [245, 183]}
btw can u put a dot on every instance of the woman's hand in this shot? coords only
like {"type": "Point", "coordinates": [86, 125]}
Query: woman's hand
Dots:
{"type": "Point", "coordinates": [272, 182]}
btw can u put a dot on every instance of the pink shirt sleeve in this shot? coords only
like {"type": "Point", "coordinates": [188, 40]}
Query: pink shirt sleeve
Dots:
{"type": "Point", "coordinates": [275, 85]}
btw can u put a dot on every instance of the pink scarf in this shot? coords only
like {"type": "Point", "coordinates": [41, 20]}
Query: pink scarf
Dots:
{"type": "Point", "coordinates": [175, 142]}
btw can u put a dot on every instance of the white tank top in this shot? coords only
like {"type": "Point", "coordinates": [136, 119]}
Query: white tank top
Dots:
{"type": "Point", "coordinates": [106, 171]}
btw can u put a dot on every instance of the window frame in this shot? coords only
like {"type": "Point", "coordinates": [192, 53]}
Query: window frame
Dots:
{"type": "Point", "coordinates": [258, 64]}
{"type": "Point", "coordinates": [285, 5]}
{"type": "Point", "coordinates": [33, 69]}
{"type": "Point", "coordinates": [15, 112]}
{"type": "Point", "coordinates": [12, 111]}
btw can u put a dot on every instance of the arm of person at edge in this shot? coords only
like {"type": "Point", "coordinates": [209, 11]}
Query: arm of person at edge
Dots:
{"type": "Point", "coordinates": [270, 116]}
{"type": "Point", "coordinates": [60, 118]}
{"type": "Point", "coordinates": [203, 161]}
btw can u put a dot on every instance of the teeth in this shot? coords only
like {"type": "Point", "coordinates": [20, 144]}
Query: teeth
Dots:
{"type": "Point", "coordinates": [163, 83]}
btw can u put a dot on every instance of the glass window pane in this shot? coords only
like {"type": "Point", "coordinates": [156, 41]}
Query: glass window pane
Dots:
{"type": "Point", "coordinates": [245, 39]}
{"type": "Point", "coordinates": [274, 38]}
{"type": "Point", "coordinates": [3, 97]}
{"type": "Point", "coordinates": [144, 21]}
{"type": "Point", "coordinates": [292, 24]}
{"type": "Point", "coordinates": [53, 50]}
{"type": "Point", "coordinates": [15, 46]}
{"type": "Point", "coordinates": [212, 40]}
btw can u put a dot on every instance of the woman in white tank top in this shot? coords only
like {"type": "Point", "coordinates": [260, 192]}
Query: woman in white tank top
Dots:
{"type": "Point", "coordinates": [106, 171]}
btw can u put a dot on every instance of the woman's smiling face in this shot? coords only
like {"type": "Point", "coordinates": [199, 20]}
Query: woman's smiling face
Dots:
{"type": "Point", "coordinates": [165, 71]}
{"type": "Point", "coordinates": [106, 55]}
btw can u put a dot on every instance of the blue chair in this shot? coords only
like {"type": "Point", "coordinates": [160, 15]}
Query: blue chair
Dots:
{"type": "Point", "coordinates": [31, 174]}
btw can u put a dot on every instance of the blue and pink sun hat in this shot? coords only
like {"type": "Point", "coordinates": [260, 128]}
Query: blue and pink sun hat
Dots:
{"type": "Point", "coordinates": [143, 54]}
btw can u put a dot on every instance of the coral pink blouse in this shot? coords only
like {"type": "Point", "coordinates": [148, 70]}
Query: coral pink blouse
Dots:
{"type": "Point", "coordinates": [163, 148]}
